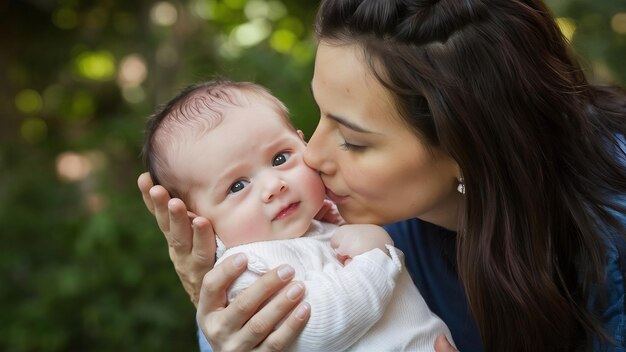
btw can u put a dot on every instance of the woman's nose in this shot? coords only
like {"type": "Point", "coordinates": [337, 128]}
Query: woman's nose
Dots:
{"type": "Point", "coordinates": [273, 187]}
{"type": "Point", "coordinates": [318, 153]}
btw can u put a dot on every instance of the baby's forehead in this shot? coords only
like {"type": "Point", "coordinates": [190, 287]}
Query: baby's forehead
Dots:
{"type": "Point", "coordinates": [205, 109]}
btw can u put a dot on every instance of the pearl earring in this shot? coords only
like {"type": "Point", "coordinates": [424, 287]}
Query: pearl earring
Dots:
{"type": "Point", "coordinates": [461, 186]}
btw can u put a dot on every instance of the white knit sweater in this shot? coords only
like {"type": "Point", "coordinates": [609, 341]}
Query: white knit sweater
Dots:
{"type": "Point", "coordinates": [370, 304]}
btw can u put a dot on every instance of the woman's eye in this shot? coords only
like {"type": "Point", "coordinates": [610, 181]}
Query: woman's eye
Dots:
{"type": "Point", "coordinates": [280, 158]}
{"type": "Point", "coordinates": [238, 186]}
{"type": "Point", "coordinates": [351, 147]}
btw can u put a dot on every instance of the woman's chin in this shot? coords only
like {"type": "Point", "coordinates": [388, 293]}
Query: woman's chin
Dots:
{"type": "Point", "coordinates": [353, 217]}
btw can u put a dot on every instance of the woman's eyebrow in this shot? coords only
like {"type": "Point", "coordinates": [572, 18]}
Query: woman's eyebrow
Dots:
{"type": "Point", "coordinates": [348, 124]}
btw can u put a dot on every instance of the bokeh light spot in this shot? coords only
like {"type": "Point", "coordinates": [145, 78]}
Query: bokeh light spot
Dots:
{"type": "Point", "coordinates": [567, 27]}
{"type": "Point", "coordinates": [227, 49]}
{"type": "Point", "coordinates": [164, 14]}
{"type": "Point", "coordinates": [132, 71]}
{"type": "Point", "coordinates": [277, 10]}
{"type": "Point", "coordinates": [251, 33]}
{"type": "Point", "coordinates": [95, 202]}
{"type": "Point", "coordinates": [257, 9]}
{"type": "Point", "coordinates": [618, 22]}
{"type": "Point", "coordinates": [261, 9]}
{"type": "Point", "coordinates": [34, 130]}
{"type": "Point", "coordinates": [283, 40]}
{"type": "Point", "coordinates": [72, 166]}
{"type": "Point", "coordinates": [602, 71]}
{"type": "Point", "coordinates": [95, 65]}
{"type": "Point", "coordinates": [28, 101]}
{"type": "Point", "coordinates": [203, 9]}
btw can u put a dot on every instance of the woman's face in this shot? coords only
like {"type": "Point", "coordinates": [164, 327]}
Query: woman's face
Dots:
{"type": "Point", "coordinates": [373, 165]}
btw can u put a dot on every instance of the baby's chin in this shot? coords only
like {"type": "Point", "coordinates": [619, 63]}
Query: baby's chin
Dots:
{"type": "Point", "coordinates": [295, 230]}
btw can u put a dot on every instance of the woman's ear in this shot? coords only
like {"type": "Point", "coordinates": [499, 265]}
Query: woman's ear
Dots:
{"type": "Point", "coordinates": [301, 134]}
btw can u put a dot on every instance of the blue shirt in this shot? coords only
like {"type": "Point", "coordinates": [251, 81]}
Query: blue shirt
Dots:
{"type": "Point", "coordinates": [611, 308]}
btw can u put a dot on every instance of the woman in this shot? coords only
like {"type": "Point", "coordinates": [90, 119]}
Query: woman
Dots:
{"type": "Point", "coordinates": [471, 119]}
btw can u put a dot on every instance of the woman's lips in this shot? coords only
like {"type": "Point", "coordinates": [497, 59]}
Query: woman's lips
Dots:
{"type": "Point", "coordinates": [286, 211]}
{"type": "Point", "coordinates": [334, 197]}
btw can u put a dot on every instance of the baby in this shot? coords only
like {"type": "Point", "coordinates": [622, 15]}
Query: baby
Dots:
{"type": "Point", "coordinates": [229, 151]}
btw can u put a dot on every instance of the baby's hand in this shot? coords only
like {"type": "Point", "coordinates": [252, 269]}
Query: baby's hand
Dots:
{"type": "Point", "coordinates": [352, 240]}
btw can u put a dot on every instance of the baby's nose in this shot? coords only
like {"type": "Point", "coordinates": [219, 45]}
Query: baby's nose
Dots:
{"type": "Point", "coordinates": [273, 188]}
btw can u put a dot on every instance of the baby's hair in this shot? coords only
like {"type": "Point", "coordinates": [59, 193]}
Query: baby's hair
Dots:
{"type": "Point", "coordinates": [194, 111]}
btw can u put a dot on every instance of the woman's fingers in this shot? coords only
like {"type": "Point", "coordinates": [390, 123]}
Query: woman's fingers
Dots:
{"type": "Point", "coordinates": [249, 300]}
{"type": "Point", "coordinates": [191, 248]}
{"type": "Point", "coordinates": [179, 236]}
{"type": "Point", "coordinates": [200, 260]}
{"type": "Point", "coordinates": [265, 321]}
{"type": "Point", "coordinates": [204, 245]}
{"type": "Point", "coordinates": [144, 181]}
{"type": "Point", "coordinates": [238, 325]}
{"type": "Point", "coordinates": [160, 198]}
{"type": "Point", "coordinates": [217, 281]}
{"type": "Point", "coordinates": [275, 311]}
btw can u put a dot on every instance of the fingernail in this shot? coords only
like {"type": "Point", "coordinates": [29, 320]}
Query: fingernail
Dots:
{"type": "Point", "coordinates": [294, 291]}
{"type": "Point", "coordinates": [239, 260]}
{"type": "Point", "coordinates": [285, 272]}
{"type": "Point", "coordinates": [302, 311]}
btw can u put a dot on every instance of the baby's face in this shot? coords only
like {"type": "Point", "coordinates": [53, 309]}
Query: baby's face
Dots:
{"type": "Point", "coordinates": [250, 179]}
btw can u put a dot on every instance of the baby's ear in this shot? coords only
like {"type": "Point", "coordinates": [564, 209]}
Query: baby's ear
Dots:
{"type": "Point", "coordinates": [301, 134]}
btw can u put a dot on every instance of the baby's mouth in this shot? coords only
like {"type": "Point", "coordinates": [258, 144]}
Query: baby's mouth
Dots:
{"type": "Point", "coordinates": [286, 211]}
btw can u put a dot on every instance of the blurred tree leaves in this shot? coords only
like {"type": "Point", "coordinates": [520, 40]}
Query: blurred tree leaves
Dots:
{"type": "Point", "coordinates": [84, 266]}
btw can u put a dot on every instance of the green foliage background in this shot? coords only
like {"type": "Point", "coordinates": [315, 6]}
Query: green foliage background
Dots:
{"type": "Point", "coordinates": [83, 264]}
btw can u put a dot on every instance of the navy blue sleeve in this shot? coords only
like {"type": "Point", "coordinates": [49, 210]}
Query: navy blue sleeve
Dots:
{"type": "Point", "coordinates": [430, 256]}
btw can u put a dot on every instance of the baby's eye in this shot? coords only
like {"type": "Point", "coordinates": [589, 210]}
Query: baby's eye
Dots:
{"type": "Point", "coordinates": [238, 186]}
{"type": "Point", "coordinates": [280, 158]}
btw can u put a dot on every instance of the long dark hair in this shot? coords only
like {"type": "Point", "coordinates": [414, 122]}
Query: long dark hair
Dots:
{"type": "Point", "coordinates": [494, 84]}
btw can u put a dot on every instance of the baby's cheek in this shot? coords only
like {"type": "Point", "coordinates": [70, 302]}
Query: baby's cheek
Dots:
{"type": "Point", "coordinates": [240, 227]}
{"type": "Point", "coordinates": [253, 230]}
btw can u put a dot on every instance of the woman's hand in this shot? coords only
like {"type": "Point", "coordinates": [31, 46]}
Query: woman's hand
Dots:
{"type": "Point", "coordinates": [190, 239]}
{"type": "Point", "coordinates": [443, 345]}
{"type": "Point", "coordinates": [253, 320]}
